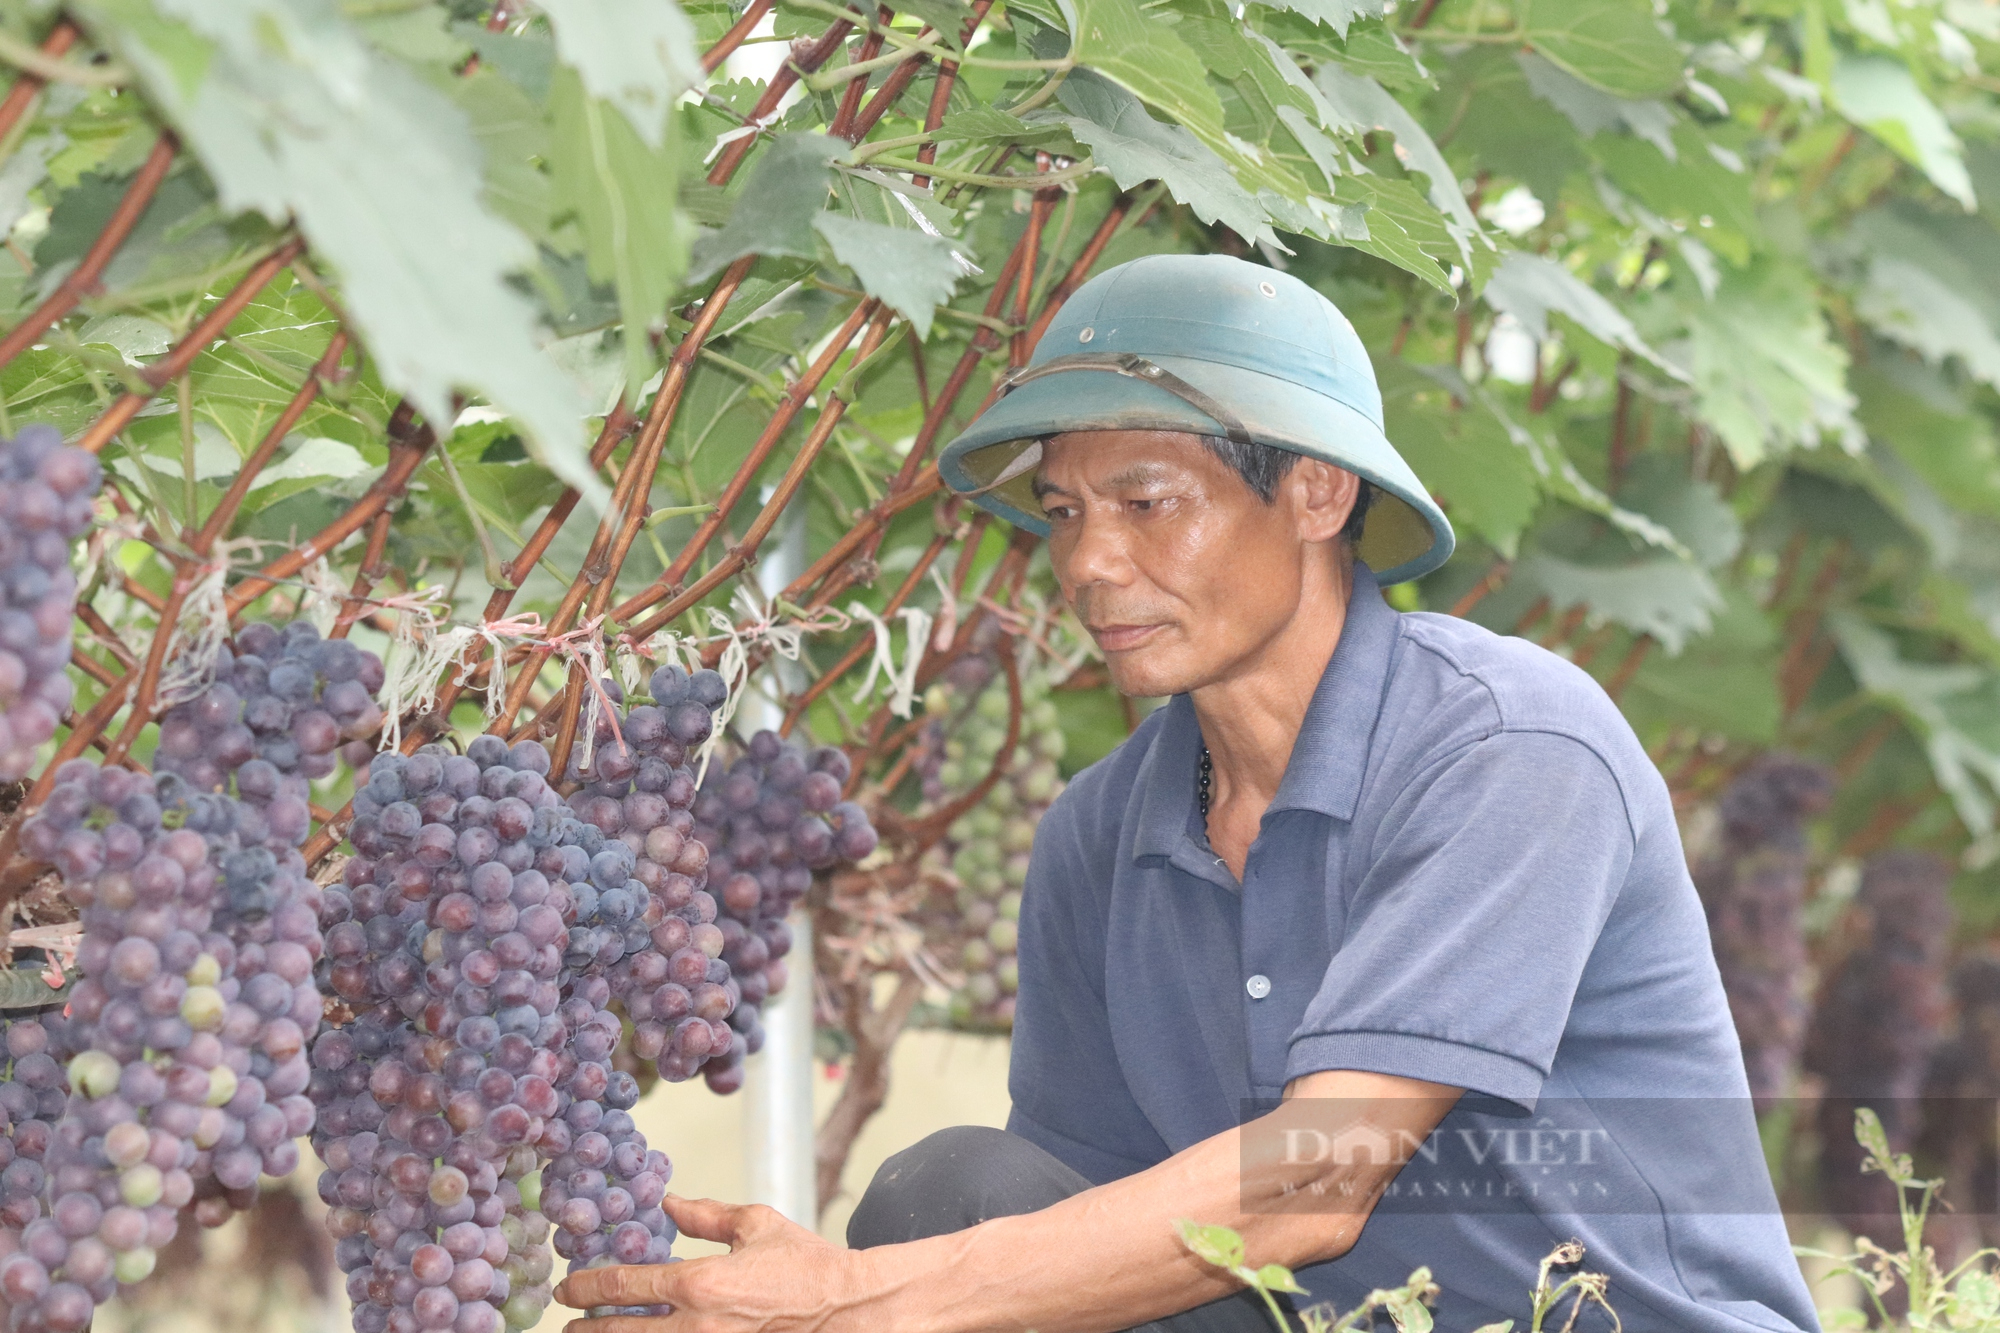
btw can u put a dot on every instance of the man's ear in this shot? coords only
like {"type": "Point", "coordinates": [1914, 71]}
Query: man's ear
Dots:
{"type": "Point", "coordinates": [1321, 497]}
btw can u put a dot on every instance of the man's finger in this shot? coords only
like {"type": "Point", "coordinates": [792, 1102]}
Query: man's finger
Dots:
{"type": "Point", "coordinates": [620, 1284]}
{"type": "Point", "coordinates": [705, 1219]}
{"type": "Point", "coordinates": [628, 1323]}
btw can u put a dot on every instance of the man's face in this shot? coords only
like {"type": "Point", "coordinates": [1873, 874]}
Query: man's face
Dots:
{"type": "Point", "coordinates": [1177, 568]}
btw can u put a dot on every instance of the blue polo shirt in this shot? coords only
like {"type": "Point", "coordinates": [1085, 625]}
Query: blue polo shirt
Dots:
{"type": "Point", "coordinates": [1471, 874]}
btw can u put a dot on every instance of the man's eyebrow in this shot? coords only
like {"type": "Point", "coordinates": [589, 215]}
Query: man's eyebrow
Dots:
{"type": "Point", "coordinates": [1139, 474]}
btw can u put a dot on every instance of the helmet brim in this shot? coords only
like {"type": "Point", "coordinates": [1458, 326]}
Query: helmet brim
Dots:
{"type": "Point", "coordinates": [1406, 535]}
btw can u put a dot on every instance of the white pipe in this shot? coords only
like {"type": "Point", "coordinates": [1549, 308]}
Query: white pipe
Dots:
{"type": "Point", "coordinates": [778, 1094]}
{"type": "Point", "coordinates": [778, 1082]}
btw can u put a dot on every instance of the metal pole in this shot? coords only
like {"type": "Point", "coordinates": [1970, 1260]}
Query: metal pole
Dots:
{"type": "Point", "coordinates": [778, 1082]}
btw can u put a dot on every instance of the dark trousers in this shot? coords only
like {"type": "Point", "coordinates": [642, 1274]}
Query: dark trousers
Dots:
{"type": "Point", "coordinates": [962, 1176]}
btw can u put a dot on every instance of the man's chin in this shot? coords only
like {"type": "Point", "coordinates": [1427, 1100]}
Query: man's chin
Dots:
{"type": "Point", "coordinates": [1146, 680]}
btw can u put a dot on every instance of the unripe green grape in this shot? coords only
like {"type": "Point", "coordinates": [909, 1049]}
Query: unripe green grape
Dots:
{"type": "Point", "coordinates": [1010, 905]}
{"type": "Point", "coordinates": [951, 775]}
{"type": "Point", "coordinates": [960, 1008]}
{"type": "Point", "coordinates": [977, 956]}
{"type": "Point", "coordinates": [522, 1310]}
{"type": "Point", "coordinates": [531, 1191]}
{"type": "Point", "coordinates": [1018, 835]}
{"type": "Point", "coordinates": [961, 829]}
{"type": "Point", "coordinates": [954, 749]}
{"type": "Point", "coordinates": [937, 700]}
{"type": "Point", "coordinates": [202, 1008]}
{"type": "Point", "coordinates": [1051, 744]}
{"type": "Point", "coordinates": [1003, 935]}
{"type": "Point", "coordinates": [1041, 716]}
{"type": "Point", "coordinates": [1014, 874]}
{"type": "Point", "coordinates": [134, 1265]}
{"type": "Point", "coordinates": [205, 972]}
{"type": "Point", "coordinates": [990, 883]}
{"type": "Point", "coordinates": [983, 989]}
{"type": "Point", "coordinates": [1008, 972]}
{"type": "Point", "coordinates": [95, 1074]}
{"type": "Point", "coordinates": [986, 823]}
{"type": "Point", "coordinates": [965, 865]}
{"type": "Point", "coordinates": [141, 1185]}
{"type": "Point", "coordinates": [993, 705]}
{"type": "Point", "coordinates": [1039, 783]}
{"type": "Point", "coordinates": [221, 1085]}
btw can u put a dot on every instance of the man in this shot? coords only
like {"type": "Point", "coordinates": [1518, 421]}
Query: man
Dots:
{"type": "Point", "coordinates": [1302, 954]}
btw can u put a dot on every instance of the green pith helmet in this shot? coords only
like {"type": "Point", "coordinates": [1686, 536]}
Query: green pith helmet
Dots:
{"type": "Point", "coordinates": [1215, 346]}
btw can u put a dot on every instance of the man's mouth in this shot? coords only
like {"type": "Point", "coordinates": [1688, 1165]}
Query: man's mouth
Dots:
{"type": "Point", "coordinates": [1122, 638]}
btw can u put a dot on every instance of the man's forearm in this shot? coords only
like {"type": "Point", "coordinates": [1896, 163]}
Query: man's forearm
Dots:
{"type": "Point", "coordinates": [1111, 1257]}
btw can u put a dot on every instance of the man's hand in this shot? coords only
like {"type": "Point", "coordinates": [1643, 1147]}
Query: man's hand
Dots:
{"type": "Point", "coordinates": [778, 1277]}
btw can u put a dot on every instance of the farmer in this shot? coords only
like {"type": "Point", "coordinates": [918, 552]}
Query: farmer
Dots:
{"type": "Point", "coordinates": [1375, 944]}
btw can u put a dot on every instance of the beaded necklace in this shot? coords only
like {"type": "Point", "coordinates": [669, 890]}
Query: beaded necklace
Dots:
{"type": "Point", "coordinates": [1207, 771]}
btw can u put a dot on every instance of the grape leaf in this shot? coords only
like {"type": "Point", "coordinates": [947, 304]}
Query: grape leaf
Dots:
{"type": "Point", "coordinates": [1615, 45]}
{"type": "Point", "coordinates": [1693, 510]}
{"type": "Point", "coordinates": [1135, 148]}
{"type": "Point", "coordinates": [1532, 287]}
{"type": "Point", "coordinates": [1951, 706]}
{"type": "Point", "coordinates": [774, 215]}
{"type": "Point", "coordinates": [912, 271]}
{"type": "Point", "coordinates": [1402, 228]}
{"type": "Point", "coordinates": [638, 55]}
{"type": "Point", "coordinates": [1920, 310]}
{"type": "Point", "coordinates": [1767, 375]}
{"type": "Point", "coordinates": [623, 194]}
{"type": "Point", "coordinates": [1147, 57]}
{"type": "Point", "coordinates": [1335, 14]}
{"type": "Point", "coordinates": [945, 17]}
{"type": "Point", "coordinates": [1881, 96]}
{"type": "Point", "coordinates": [513, 135]}
{"type": "Point", "coordinates": [1722, 681]}
{"type": "Point", "coordinates": [985, 124]}
{"type": "Point", "coordinates": [1592, 110]}
{"type": "Point", "coordinates": [1462, 454]}
{"type": "Point", "coordinates": [1948, 444]}
{"type": "Point", "coordinates": [1667, 598]}
{"type": "Point", "coordinates": [1361, 104]}
{"type": "Point", "coordinates": [294, 116]}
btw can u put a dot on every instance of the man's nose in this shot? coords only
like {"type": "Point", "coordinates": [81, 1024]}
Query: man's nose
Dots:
{"type": "Point", "coordinates": [1098, 553]}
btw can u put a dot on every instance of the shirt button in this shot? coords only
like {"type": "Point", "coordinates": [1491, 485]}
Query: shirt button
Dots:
{"type": "Point", "coordinates": [1259, 986]}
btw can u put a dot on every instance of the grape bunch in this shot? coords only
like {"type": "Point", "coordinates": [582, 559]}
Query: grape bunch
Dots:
{"type": "Point", "coordinates": [1753, 885]}
{"type": "Point", "coordinates": [479, 934]}
{"type": "Point", "coordinates": [635, 792]}
{"type": "Point", "coordinates": [279, 708]}
{"type": "Point", "coordinates": [771, 820]}
{"type": "Point", "coordinates": [236, 764]}
{"type": "Point", "coordinates": [1879, 1017]}
{"type": "Point", "coordinates": [976, 875]}
{"type": "Point", "coordinates": [32, 1098]}
{"type": "Point", "coordinates": [47, 490]}
{"type": "Point", "coordinates": [155, 1069]}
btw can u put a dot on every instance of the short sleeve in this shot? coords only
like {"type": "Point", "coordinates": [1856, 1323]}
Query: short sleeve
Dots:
{"type": "Point", "coordinates": [1069, 1095]}
{"type": "Point", "coordinates": [1487, 886]}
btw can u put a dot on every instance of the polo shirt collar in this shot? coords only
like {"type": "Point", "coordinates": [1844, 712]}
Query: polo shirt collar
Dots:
{"type": "Point", "coordinates": [1325, 770]}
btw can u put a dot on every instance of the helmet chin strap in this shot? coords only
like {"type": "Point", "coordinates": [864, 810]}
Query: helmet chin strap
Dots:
{"type": "Point", "coordinates": [1134, 366]}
